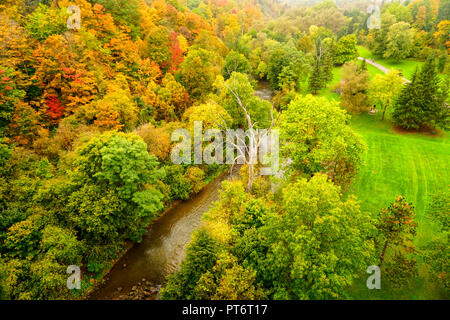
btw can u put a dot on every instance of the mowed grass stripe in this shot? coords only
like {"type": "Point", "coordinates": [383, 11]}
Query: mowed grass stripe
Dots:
{"type": "Point", "coordinates": [411, 165]}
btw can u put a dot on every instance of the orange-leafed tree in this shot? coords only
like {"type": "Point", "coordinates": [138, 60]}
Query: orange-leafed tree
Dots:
{"type": "Point", "coordinates": [60, 75]}
{"type": "Point", "coordinates": [176, 51]}
{"type": "Point", "coordinates": [169, 98]}
{"type": "Point", "coordinates": [157, 140]}
{"type": "Point", "coordinates": [24, 125]}
{"type": "Point", "coordinates": [116, 110]}
{"type": "Point", "coordinates": [442, 35]}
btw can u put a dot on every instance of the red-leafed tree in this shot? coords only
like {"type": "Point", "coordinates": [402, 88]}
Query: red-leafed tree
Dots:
{"type": "Point", "coordinates": [175, 52]}
{"type": "Point", "coordinates": [55, 109]}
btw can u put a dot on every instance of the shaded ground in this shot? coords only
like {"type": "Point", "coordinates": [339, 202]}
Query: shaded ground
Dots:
{"type": "Point", "coordinates": [425, 131]}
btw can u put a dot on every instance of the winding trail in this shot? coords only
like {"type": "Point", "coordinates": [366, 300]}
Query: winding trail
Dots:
{"type": "Point", "coordinates": [380, 67]}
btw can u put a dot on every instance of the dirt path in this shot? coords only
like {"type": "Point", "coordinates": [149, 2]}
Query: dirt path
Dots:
{"type": "Point", "coordinates": [380, 67]}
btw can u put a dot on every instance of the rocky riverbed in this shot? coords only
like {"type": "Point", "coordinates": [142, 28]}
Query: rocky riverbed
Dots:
{"type": "Point", "coordinates": [143, 290]}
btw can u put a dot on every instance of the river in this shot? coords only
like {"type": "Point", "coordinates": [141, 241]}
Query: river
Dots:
{"type": "Point", "coordinates": [263, 90]}
{"type": "Point", "coordinates": [162, 248]}
{"type": "Point", "coordinates": [145, 266]}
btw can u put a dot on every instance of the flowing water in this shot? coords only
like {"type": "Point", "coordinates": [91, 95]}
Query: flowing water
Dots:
{"type": "Point", "coordinates": [263, 90]}
{"type": "Point", "coordinates": [163, 247]}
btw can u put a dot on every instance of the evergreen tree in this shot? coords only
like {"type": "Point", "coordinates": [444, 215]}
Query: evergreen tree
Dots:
{"type": "Point", "coordinates": [407, 113]}
{"type": "Point", "coordinates": [327, 67]}
{"type": "Point", "coordinates": [363, 66]}
{"type": "Point", "coordinates": [429, 97]}
{"type": "Point", "coordinates": [322, 72]}
{"type": "Point", "coordinates": [422, 103]}
{"type": "Point", "coordinates": [315, 80]}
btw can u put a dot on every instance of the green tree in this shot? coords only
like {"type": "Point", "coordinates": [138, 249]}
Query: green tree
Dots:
{"type": "Point", "coordinates": [124, 12]}
{"type": "Point", "coordinates": [228, 281]}
{"type": "Point", "coordinates": [46, 21]}
{"type": "Point", "coordinates": [327, 64]}
{"type": "Point", "coordinates": [443, 10]}
{"type": "Point", "coordinates": [48, 279]}
{"type": "Point", "coordinates": [201, 256]}
{"type": "Point", "coordinates": [437, 251]}
{"type": "Point", "coordinates": [322, 70]}
{"type": "Point", "coordinates": [397, 228]}
{"type": "Point", "coordinates": [396, 225]}
{"type": "Point", "coordinates": [436, 255]}
{"type": "Point", "coordinates": [62, 245]}
{"type": "Point", "coordinates": [3, 275]}
{"type": "Point", "coordinates": [378, 44]}
{"type": "Point", "coordinates": [286, 56]}
{"type": "Point", "coordinates": [112, 195]}
{"type": "Point", "coordinates": [422, 103]}
{"type": "Point", "coordinates": [315, 136]}
{"type": "Point", "coordinates": [278, 59]}
{"type": "Point", "coordinates": [315, 79]}
{"type": "Point", "coordinates": [346, 49]}
{"type": "Point", "coordinates": [399, 41]}
{"type": "Point", "coordinates": [383, 89]}
{"type": "Point", "coordinates": [199, 70]}
{"type": "Point", "coordinates": [320, 242]}
{"type": "Point", "coordinates": [407, 111]}
{"type": "Point", "coordinates": [439, 209]}
{"type": "Point", "coordinates": [235, 62]}
{"type": "Point", "coordinates": [10, 95]}
{"type": "Point", "coordinates": [354, 86]}
{"type": "Point", "coordinates": [238, 90]}
{"type": "Point", "coordinates": [157, 45]}
{"type": "Point", "coordinates": [399, 11]}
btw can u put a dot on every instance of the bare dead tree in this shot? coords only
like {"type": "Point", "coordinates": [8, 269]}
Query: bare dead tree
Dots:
{"type": "Point", "coordinates": [255, 138]}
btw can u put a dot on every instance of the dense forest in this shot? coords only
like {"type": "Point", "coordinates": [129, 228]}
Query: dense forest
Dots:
{"type": "Point", "coordinates": [89, 102]}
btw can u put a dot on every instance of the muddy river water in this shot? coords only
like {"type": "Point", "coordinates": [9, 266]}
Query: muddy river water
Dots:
{"type": "Point", "coordinates": [163, 246]}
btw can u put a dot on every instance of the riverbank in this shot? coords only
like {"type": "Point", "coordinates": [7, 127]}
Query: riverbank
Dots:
{"type": "Point", "coordinates": [141, 271]}
{"type": "Point", "coordinates": [128, 246]}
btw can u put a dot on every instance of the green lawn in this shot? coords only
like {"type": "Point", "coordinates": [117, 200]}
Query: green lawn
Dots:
{"type": "Point", "coordinates": [407, 67]}
{"type": "Point", "coordinates": [413, 165]}
{"type": "Point", "coordinates": [327, 92]}
{"type": "Point", "coordinates": [410, 164]}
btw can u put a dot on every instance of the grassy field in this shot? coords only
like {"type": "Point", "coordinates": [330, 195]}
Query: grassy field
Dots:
{"type": "Point", "coordinates": [409, 164]}
{"type": "Point", "coordinates": [328, 91]}
{"type": "Point", "coordinates": [407, 67]}
{"type": "Point", "coordinates": [414, 165]}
